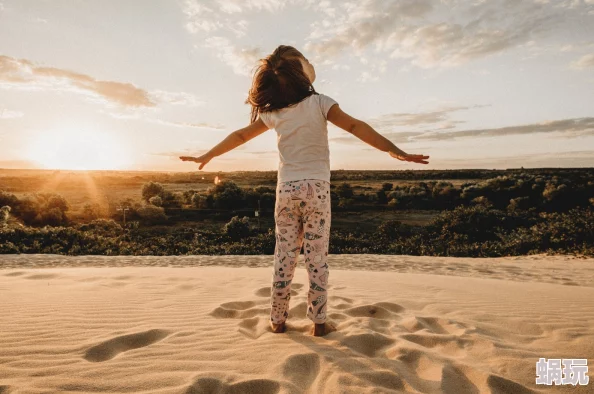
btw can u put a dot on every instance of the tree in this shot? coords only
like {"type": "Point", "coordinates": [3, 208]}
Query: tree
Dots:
{"type": "Point", "coordinates": [152, 189]}
{"type": "Point", "coordinates": [387, 186]}
{"type": "Point", "coordinates": [345, 202]}
{"type": "Point", "coordinates": [91, 211]}
{"type": "Point", "coordinates": [156, 201]}
{"type": "Point", "coordinates": [152, 214]}
{"type": "Point", "coordinates": [199, 201]}
{"type": "Point", "coordinates": [4, 214]}
{"type": "Point", "coordinates": [344, 190]}
{"type": "Point", "coordinates": [227, 195]}
{"type": "Point", "coordinates": [381, 197]}
{"type": "Point", "coordinates": [267, 201]}
{"type": "Point", "coordinates": [237, 228]}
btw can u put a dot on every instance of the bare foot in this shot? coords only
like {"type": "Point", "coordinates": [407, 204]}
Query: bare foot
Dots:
{"type": "Point", "coordinates": [278, 328]}
{"type": "Point", "coordinates": [319, 330]}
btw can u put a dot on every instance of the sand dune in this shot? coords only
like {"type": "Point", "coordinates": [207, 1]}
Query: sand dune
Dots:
{"type": "Point", "coordinates": [200, 325]}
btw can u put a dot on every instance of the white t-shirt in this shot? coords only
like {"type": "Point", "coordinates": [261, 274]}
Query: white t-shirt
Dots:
{"type": "Point", "coordinates": [302, 138]}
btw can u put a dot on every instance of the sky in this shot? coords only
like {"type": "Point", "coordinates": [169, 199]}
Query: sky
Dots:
{"type": "Point", "coordinates": [132, 85]}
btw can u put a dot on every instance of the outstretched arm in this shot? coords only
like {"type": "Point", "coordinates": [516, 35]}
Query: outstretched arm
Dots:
{"type": "Point", "coordinates": [367, 134]}
{"type": "Point", "coordinates": [232, 141]}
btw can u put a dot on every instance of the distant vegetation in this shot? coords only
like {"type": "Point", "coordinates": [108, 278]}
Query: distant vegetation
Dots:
{"type": "Point", "coordinates": [466, 213]}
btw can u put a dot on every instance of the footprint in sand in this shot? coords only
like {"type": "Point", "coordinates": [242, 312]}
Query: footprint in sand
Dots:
{"type": "Point", "coordinates": [383, 378]}
{"type": "Point", "coordinates": [216, 384]}
{"type": "Point", "coordinates": [499, 385]}
{"type": "Point", "coordinates": [240, 310]}
{"type": "Point", "coordinates": [301, 369]}
{"type": "Point", "coordinates": [17, 273]}
{"type": "Point", "coordinates": [451, 345]}
{"type": "Point", "coordinates": [453, 377]}
{"type": "Point", "coordinates": [267, 292]}
{"type": "Point", "coordinates": [435, 325]}
{"type": "Point", "coordinates": [255, 315]}
{"type": "Point", "coordinates": [253, 324]}
{"type": "Point", "coordinates": [369, 345]}
{"type": "Point", "coordinates": [378, 310]}
{"type": "Point", "coordinates": [42, 276]}
{"type": "Point", "coordinates": [111, 348]}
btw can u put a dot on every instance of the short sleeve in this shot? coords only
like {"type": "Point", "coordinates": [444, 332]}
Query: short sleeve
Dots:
{"type": "Point", "coordinates": [326, 103]}
{"type": "Point", "coordinates": [268, 119]}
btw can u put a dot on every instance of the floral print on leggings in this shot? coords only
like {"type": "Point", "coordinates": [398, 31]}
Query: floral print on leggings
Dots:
{"type": "Point", "coordinates": [302, 215]}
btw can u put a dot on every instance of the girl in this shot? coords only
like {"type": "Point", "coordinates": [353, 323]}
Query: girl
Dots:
{"type": "Point", "coordinates": [283, 98]}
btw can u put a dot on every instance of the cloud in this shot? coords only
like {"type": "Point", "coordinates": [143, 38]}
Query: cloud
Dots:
{"type": "Point", "coordinates": [362, 24]}
{"type": "Point", "coordinates": [572, 159]}
{"type": "Point", "coordinates": [200, 17]}
{"type": "Point", "coordinates": [210, 16]}
{"type": "Point", "coordinates": [569, 127]}
{"type": "Point", "coordinates": [212, 20]}
{"type": "Point", "coordinates": [201, 125]}
{"type": "Point", "coordinates": [385, 124]}
{"type": "Point", "coordinates": [21, 73]}
{"type": "Point", "coordinates": [176, 98]}
{"type": "Point", "coordinates": [366, 76]}
{"type": "Point", "coordinates": [242, 61]}
{"type": "Point", "coordinates": [264, 153]}
{"type": "Point", "coordinates": [9, 114]}
{"type": "Point", "coordinates": [429, 33]}
{"type": "Point", "coordinates": [439, 118]}
{"type": "Point", "coordinates": [389, 121]}
{"type": "Point", "coordinates": [396, 138]}
{"type": "Point", "coordinates": [147, 117]}
{"type": "Point", "coordinates": [586, 61]}
{"type": "Point", "coordinates": [238, 6]}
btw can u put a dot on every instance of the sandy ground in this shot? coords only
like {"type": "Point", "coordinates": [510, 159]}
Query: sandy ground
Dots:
{"type": "Point", "coordinates": [199, 324]}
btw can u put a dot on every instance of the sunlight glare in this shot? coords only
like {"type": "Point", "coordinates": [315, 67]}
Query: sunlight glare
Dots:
{"type": "Point", "coordinates": [77, 149]}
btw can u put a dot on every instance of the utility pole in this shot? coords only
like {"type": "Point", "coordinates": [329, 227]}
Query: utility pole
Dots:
{"type": "Point", "coordinates": [123, 209]}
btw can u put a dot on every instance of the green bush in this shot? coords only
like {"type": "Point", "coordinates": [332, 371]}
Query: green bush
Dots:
{"type": "Point", "coordinates": [152, 189]}
{"type": "Point", "coordinates": [237, 228]}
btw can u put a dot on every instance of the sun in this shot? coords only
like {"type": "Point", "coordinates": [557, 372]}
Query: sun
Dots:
{"type": "Point", "coordinates": [77, 149]}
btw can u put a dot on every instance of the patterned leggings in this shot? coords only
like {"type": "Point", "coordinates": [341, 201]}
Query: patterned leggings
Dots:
{"type": "Point", "coordinates": [302, 215]}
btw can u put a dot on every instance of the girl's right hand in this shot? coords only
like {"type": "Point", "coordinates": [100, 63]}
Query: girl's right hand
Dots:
{"type": "Point", "coordinates": [408, 157]}
{"type": "Point", "coordinates": [201, 159]}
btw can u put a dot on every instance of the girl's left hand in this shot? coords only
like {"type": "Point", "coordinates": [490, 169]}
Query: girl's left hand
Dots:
{"type": "Point", "coordinates": [201, 159]}
{"type": "Point", "coordinates": [422, 159]}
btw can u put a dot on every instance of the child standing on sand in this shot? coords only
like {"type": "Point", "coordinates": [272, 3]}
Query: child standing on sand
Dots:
{"type": "Point", "coordinates": [283, 98]}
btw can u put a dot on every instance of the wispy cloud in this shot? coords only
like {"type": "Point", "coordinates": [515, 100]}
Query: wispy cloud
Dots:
{"type": "Point", "coordinates": [10, 114]}
{"type": "Point", "coordinates": [209, 16]}
{"type": "Point", "coordinates": [575, 159]}
{"type": "Point", "coordinates": [586, 61]}
{"type": "Point", "coordinates": [23, 74]}
{"type": "Point", "coordinates": [151, 117]}
{"type": "Point", "coordinates": [568, 127]}
{"type": "Point", "coordinates": [428, 33]}
{"type": "Point", "coordinates": [394, 137]}
{"type": "Point", "coordinates": [440, 117]}
{"type": "Point", "coordinates": [242, 61]}
{"type": "Point", "coordinates": [211, 21]}
{"type": "Point", "coordinates": [176, 98]}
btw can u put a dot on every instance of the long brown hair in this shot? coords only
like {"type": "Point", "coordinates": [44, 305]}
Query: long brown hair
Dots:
{"type": "Point", "coordinates": [279, 81]}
